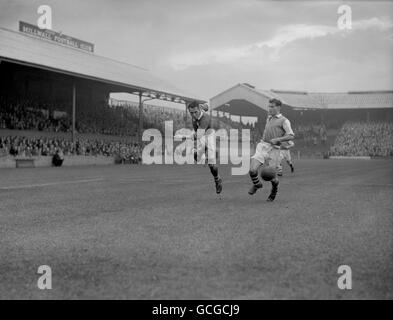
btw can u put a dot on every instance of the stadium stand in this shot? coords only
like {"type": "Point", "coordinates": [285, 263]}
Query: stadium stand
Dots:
{"type": "Point", "coordinates": [19, 146]}
{"type": "Point", "coordinates": [55, 97]}
{"type": "Point", "coordinates": [111, 130]}
{"type": "Point", "coordinates": [372, 139]}
{"type": "Point", "coordinates": [28, 129]}
{"type": "Point", "coordinates": [317, 118]}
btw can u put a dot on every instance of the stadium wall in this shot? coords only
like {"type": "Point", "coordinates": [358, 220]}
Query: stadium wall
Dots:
{"type": "Point", "coordinates": [10, 162]}
{"type": "Point", "coordinates": [30, 134]}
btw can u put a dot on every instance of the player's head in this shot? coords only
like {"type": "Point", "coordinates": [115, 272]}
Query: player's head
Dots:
{"type": "Point", "coordinates": [194, 109]}
{"type": "Point", "coordinates": [274, 107]}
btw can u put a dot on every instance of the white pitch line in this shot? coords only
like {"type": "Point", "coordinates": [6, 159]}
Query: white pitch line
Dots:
{"type": "Point", "coordinates": [27, 186]}
{"type": "Point", "coordinates": [282, 180]}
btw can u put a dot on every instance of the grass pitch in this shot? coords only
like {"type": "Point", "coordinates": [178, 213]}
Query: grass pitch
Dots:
{"type": "Point", "coordinates": [161, 232]}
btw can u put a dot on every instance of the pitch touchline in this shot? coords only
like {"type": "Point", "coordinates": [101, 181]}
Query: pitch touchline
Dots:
{"type": "Point", "coordinates": [50, 184]}
{"type": "Point", "coordinates": [126, 181]}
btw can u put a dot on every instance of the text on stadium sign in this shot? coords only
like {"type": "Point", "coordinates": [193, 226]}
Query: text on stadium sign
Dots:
{"type": "Point", "coordinates": [55, 37]}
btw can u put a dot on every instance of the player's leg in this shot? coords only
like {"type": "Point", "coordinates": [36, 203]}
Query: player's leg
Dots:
{"type": "Point", "coordinates": [289, 160]}
{"type": "Point", "coordinates": [201, 150]}
{"type": "Point", "coordinates": [279, 166]}
{"type": "Point", "coordinates": [256, 161]}
{"type": "Point", "coordinates": [210, 149]}
{"type": "Point", "coordinates": [288, 156]}
{"type": "Point", "coordinates": [279, 170]}
{"type": "Point", "coordinates": [256, 183]}
{"type": "Point", "coordinates": [275, 159]}
{"type": "Point", "coordinates": [217, 179]}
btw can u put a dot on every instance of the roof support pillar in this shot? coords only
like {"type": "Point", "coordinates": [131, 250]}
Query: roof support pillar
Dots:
{"type": "Point", "coordinates": [185, 115]}
{"type": "Point", "coordinates": [73, 111]}
{"type": "Point", "coordinates": [140, 126]}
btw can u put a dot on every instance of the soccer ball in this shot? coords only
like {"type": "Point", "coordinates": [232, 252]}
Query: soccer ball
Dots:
{"type": "Point", "coordinates": [268, 173]}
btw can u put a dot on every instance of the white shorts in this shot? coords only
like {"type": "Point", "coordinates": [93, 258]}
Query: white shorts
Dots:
{"type": "Point", "coordinates": [285, 155]}
{"type": "Point", "coordinates": [206, 148]}
{"type": "Point", "coordinates": [267, 153]}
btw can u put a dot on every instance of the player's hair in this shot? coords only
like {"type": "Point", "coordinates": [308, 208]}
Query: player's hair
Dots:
{"type": "Point", "coordinates": [276, 102]}
{"type": "Point", "coordinates": [193, 104]}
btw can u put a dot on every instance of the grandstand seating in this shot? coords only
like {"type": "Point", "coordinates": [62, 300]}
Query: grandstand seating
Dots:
{"type": "Point", "coordinates": [28, 128]}
{"type": "Point", "coordinates": [364, 139]}
{"type": "Point", "coordinates": [21, 146]}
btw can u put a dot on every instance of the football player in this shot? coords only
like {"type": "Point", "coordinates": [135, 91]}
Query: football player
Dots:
{"type": "Point", "coordinates": [206, 144]}
{"type": "Point", "coordinates": [277, 130]}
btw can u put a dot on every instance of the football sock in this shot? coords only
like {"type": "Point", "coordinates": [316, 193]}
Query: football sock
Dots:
{"type": "Point", "coordinates": [214, 171]}
{"type": "Point", "coordinates": [254, 178]}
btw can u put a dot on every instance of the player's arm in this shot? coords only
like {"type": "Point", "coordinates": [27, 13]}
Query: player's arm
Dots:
{"type": "Point", "coordinates": [205, 125]}
{"type": "Point", "coordinates": [264, 131]}
{"type": "Point", "coordinates": [289, 135]}
{"type": "Point", "coordinates": [195, 129]}
{"type": "Point", "coordinates": [287, 145]}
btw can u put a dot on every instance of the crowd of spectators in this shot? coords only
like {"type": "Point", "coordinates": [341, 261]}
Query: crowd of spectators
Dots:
{"type": "Point", "coordinates": [32, 147]}
{"type": "Point", "coordinates": [118, 121]}
{"type": "Point", "coordinates": [311, 134]}
{"type": "Point", "coordinates": [21, 115]}
{"type": "Point", "coordinates": [364, 139]}
{"type": "Point", "coordinates": [154, 116]}
{"type": "Point", "coordinates": [27, 114]}
{"type": "Point", "coordinates": [121, 119]}
{"type": "Point", "coordinates": [118, 118]}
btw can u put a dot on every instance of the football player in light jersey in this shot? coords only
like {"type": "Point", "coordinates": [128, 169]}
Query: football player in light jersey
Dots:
{"type": "Point", "coordinates": [277, 130]}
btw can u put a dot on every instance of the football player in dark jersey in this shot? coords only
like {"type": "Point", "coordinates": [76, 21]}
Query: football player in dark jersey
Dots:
{"type": "Point", "coordinates": [206, 144]}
